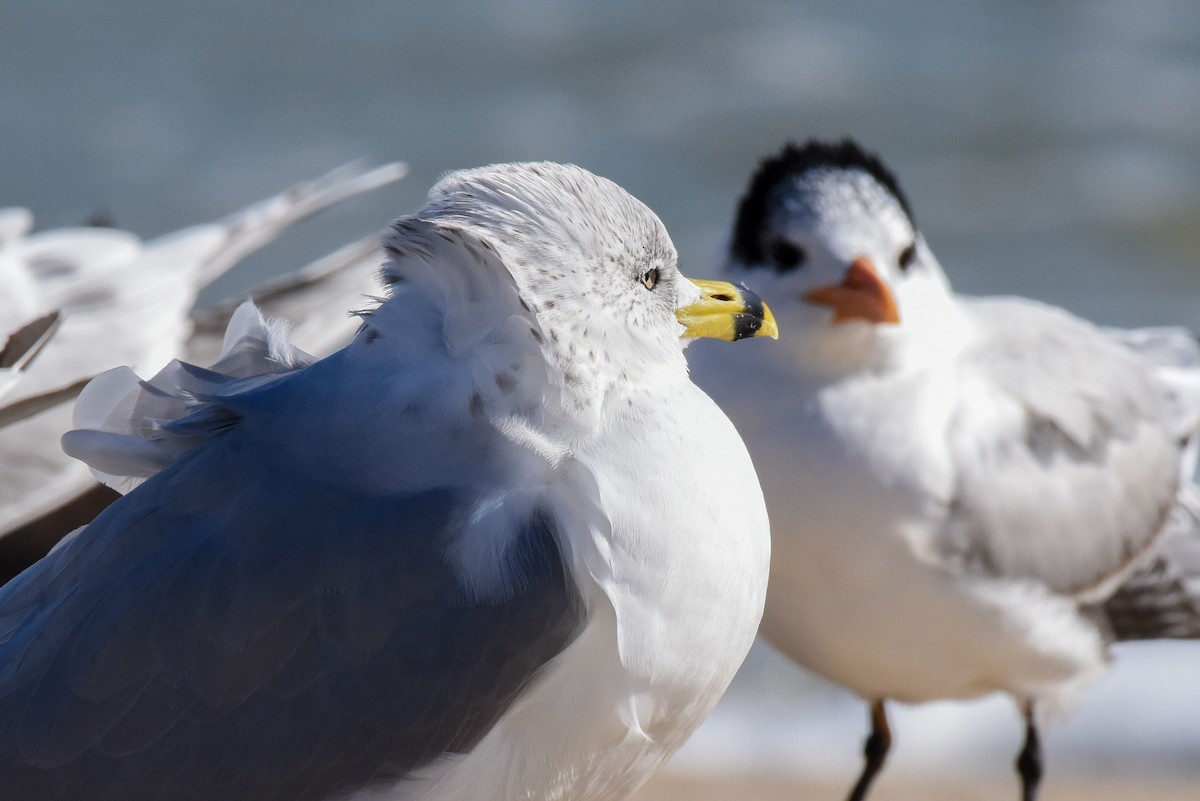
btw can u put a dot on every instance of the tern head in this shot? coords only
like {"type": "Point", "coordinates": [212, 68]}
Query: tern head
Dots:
{"type": "Point", "coordinates": [827, 232]}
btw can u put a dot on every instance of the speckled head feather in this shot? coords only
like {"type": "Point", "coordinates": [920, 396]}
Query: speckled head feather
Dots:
{"type": "Point", "coordinates": [794, 161]}
{"type": "Point", "coordinates": [576, 246]}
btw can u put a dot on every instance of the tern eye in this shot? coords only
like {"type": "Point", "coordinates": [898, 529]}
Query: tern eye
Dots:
{"type": "Point", "coordinates": [787, 256]}
{"type": "Point", "coordinates": [650, 278]}
{"type": "Point", "coordinates": [907, 257]}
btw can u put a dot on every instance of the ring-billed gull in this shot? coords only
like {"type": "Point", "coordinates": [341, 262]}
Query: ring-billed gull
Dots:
{"type": "Point", "coordinates": [968, 495]}
{"type": "Point", "coordinates": [122, 301]}
{"type": "Point", "coordinates": [498, 547]}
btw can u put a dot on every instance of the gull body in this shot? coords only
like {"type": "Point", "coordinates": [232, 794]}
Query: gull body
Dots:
{"type": "Point", "coordinates": [968, 495]}
{"type": "Point", "coordinates": [498, 547]}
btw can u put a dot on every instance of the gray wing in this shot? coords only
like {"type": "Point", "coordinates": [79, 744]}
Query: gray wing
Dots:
{"type": "Point", "coordinates": [1162, 600]}
{"type": "Point", "coordinates": [1066, 461]}
{"type": "Point", "coordinates": [237, 628]}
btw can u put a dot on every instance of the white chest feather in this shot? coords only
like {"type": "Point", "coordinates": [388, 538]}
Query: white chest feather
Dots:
{"type": "Point", "coordinates": [858, 477]}
{"type": "Point", "coordinates": [673, 575]}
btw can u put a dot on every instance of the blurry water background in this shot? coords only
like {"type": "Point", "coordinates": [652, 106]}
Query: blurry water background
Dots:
{"type": "Point", "coordinates": [1049, 149]}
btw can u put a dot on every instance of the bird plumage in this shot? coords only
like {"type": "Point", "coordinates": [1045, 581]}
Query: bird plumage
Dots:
{"type": "Point", "coordinates": [121, 301]}
{"type": "Point", "coordinates": [958, 486]}
{"type": "Point", "coordinates": [21, 346]}
{"type": "Point", "coordinates": [441, 563]}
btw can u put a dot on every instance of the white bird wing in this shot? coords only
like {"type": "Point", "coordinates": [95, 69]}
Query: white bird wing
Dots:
{"type": "Point", "coordinates": [247, 230]}
{"type": "Point", "coordinates": [127, 429]}
{"type": "Point", "coordinates": [1067, 465]}
{"type": "Point", "coordinates": [1162, 600]}
{"type": "Point", "coordinates": [1174, 356]}
{"type": "Point", "coordinates": [318, 301]}
{"type": "Point", "coordinates": [21, 347]}
{"type": "Point", "coordinates": [128, 303]}
{"type": "Point", "coordinates": [122, 303]}
{"type": "Point", "coordinates": [286, 609]}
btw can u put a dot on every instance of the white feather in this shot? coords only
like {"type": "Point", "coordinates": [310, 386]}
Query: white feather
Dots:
{"type": "Point", "coordinates": [123, 302]}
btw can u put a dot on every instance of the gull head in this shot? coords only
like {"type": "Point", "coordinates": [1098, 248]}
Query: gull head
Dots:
{"type": "Point", "coordinates": [828, 233]}
{"type": "Point", "coordinates": [590, 264]}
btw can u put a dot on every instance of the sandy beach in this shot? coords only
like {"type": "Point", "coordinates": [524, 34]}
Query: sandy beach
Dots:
{"type": "Point", "coordinates": [668, 787]}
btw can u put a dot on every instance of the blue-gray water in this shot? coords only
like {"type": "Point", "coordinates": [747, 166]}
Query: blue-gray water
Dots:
{"type": "Point", "coordinates": [1050, 149]}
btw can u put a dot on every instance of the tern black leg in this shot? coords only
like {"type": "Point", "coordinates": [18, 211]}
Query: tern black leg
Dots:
{"type": "Point", "coordinates": [1029, 761]}
{"type": "Point", "coordinates": [874, 751]}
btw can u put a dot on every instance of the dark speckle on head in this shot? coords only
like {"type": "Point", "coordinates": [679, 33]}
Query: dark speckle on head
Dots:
{"type": "Point", "coordinates": [475, 404]}
{"type": "Point", "coordinates": [794, 161]}
{"type": "Point", "coordinates": [575, 246]}
{"type": "Point", "coordinates": [506, 382]}
{"type": "Point", "coordinates": [370, 336]}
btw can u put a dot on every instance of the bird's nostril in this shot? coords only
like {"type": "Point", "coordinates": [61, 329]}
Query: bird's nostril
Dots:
{"type": "Point", "coordinates": [722, 297]}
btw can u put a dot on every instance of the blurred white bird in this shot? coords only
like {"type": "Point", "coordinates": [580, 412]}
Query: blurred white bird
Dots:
{"type": "Point", "coordinates": [122, 301]}
{"type": "Point", "coordinates": [20, 348]}
{"type": "Point", "coordinates": [498, 547]}
{"type": "Point", "coordinates": [967, 495]}
{"type": "Point", "coordinates": [318, 303]}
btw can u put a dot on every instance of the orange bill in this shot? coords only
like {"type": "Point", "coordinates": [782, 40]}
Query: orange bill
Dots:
{"type": "Point", "coordinates": [860, 296]}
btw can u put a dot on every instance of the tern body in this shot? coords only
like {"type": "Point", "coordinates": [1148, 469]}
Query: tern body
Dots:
{"type": "Point", "coordinates": [968, 495]}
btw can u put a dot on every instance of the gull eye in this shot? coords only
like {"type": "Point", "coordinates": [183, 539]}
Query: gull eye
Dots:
{"type": "Point", "coordinates": [907, 257]}
{"type": "Point", "coordinates": [787, 256]}
{"type": "Point", "coordinates": [650, 278]}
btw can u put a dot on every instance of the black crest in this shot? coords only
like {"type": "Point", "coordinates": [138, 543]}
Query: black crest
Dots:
{"type": "Point", "coordinates": [795, 160]}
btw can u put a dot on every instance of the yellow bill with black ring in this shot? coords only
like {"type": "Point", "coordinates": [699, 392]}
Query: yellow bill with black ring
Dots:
{"type": "Point", "coordinates": [728, 312]}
